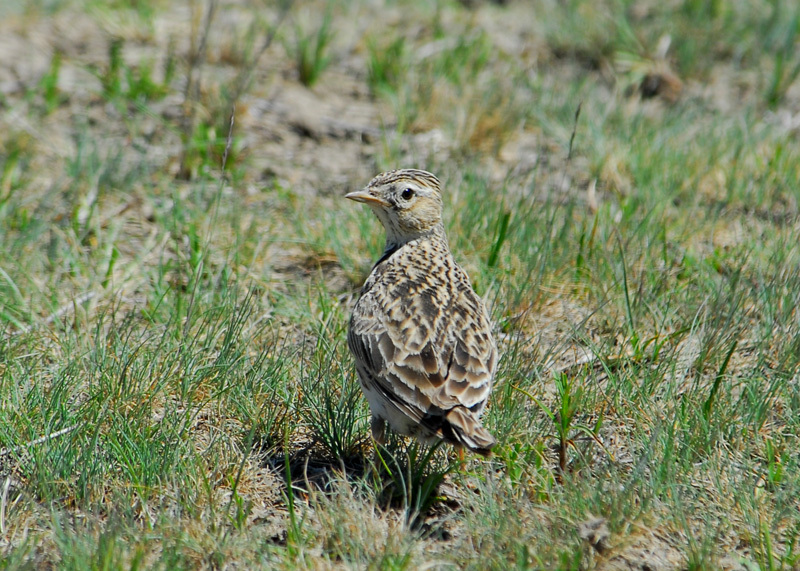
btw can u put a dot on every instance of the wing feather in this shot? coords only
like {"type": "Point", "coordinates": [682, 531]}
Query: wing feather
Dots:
{"type": "Point", "coordinates": [428, 352]}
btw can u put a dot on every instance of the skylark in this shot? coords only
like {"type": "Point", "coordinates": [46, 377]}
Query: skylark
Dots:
{"type": "Point", "coordinates": [421, 336]}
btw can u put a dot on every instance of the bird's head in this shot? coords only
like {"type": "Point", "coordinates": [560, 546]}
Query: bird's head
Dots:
{"type": "Point", "coordinates": [408, 203]}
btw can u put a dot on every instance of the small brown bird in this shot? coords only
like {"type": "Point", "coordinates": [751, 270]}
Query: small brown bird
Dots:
{"type": "Point", "coordinates": [421, 336]}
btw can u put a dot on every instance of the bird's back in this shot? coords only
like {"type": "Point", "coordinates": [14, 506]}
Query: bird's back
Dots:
{"type": "Point", "coordinates": [422, 339]}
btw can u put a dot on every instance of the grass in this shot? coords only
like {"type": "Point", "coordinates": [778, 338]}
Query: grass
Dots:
{"type": "Point", "coordinates": [310, 50]}
{"type": "Point", "coordinates": [175, 388]}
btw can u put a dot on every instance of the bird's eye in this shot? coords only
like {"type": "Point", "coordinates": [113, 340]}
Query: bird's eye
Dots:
{"type": "Point", "coordinates": [407, 194]}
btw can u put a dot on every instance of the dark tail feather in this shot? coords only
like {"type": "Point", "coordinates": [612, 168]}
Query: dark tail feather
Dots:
{"type": "Point", "coordinates": [464, 429]}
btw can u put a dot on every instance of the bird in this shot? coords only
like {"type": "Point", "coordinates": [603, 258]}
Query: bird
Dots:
{"type": "Point", "coordinates": [420, 336]}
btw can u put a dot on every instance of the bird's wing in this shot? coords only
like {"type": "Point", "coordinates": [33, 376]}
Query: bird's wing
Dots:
{"type": "Point", "coordinates": [472, 360]}
{"type": "Point", "coordinates": [373, 349]}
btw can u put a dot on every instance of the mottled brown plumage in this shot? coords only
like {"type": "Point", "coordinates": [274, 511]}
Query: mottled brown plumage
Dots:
{"type": "Point", "coordinates": [421, 336]}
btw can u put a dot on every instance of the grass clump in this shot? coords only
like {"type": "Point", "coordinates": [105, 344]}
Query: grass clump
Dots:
{"type": "Point", "coordinates": [386, 65]}
{"type": "Point", "coordinates": [334, 410]}
{"type": "Point", "coordinates": [310, 50]}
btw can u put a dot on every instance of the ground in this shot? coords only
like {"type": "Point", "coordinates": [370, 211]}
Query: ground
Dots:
{"type": "Point", "coordinates": [177, 266]}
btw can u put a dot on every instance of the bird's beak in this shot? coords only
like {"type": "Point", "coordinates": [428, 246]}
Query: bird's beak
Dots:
{"type": "Point", "coordinates": [365, 197]}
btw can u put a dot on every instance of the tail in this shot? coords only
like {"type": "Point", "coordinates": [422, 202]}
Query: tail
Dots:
{"type": "Point", "coordinates": [463, 428]}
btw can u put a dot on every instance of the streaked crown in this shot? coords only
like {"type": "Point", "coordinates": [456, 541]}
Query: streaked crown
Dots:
{"type": "Point", "coordinates": [420, 177]}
